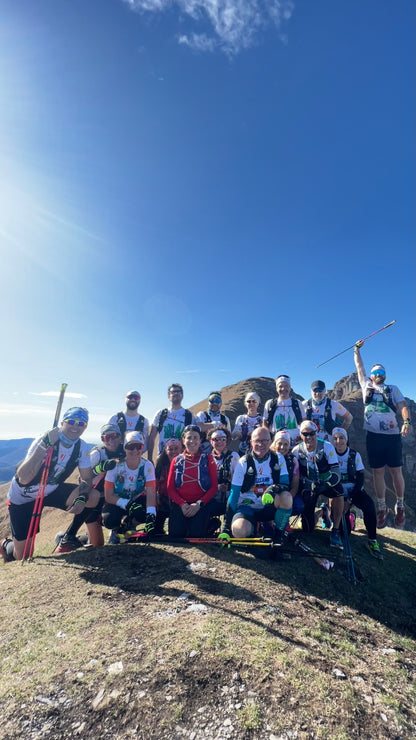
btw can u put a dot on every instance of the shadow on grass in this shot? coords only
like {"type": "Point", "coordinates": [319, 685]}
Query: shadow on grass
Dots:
{"type": "Point", "coordinates": [386, 592]}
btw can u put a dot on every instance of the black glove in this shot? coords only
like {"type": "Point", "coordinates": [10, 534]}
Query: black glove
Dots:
{"type": "Point", "coordinates": [150, 524]}
{"type": "Point", "coordinates": [134, 509]}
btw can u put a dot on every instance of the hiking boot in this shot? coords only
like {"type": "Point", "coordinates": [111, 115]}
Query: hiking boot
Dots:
{"type": "Point", "coordinates": [335, 540]}
{"type": "Point", "coordinates": [399, 518]}
{"type": "Point", "coordinates": [4, 549]}
{"type": "Point", "coordinates": [374, 548]}
{"type": "Point", "coordinates": [68, 543]}
{"type": "Point", "coordinates": [381, 518]}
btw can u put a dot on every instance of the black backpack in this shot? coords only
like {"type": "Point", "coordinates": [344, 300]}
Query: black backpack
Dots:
{"type": "Point", "coordinates": [250, 474]}
{"type": "Point", "coordinates": [329, 423]}
{"type": "Point", "coordinates": [387, 394]}
{"type": "Point", "coordinates": [121, 421]}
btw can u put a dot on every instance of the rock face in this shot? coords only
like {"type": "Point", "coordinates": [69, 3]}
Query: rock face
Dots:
{"type": "Point", "coordinates": [347, 391]}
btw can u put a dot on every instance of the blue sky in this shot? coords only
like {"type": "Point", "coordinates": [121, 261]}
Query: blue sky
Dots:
{"type": "Point", "coordinates": [201, 191]}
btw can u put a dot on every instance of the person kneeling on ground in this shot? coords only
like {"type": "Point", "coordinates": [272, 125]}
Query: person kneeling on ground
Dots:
{"type": "Point", "coordinates": [129, 491]}
{"type": "Point", "coordinates": [103, 457]}
{"type": "Point", "coordinates": [249, 501]}
{"type": "Point", "coordinates": [68, 452]}
{"type": "Point", "coordinates": [319, 475]}
{"type": "Point", "coordinates": [192, 483]}
{"type": "Point", "coordinates": [352, 480]}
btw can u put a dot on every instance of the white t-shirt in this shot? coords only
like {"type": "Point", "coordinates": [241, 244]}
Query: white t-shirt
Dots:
{"type": "Point", "coordinates": [131, 422]}
{"type": "Point", "coordinates": [252, 423]}
{"type": "Point", "coordinates": [338, 411]}
{"type": "Point", "coordinates": [343, 466]}
{"type": "Point", "coordinates": [172, 427]}
{"type": "Point", "coordinates": [22, 494]}
{"type": "Point", "coordinates": [129, 477]}
{"type": "Point", "coordinates": [284, 417]}
{"type": "Point", "coordinates": [378, 417]}
{"type": "Point", "coordinates": [263, 479]}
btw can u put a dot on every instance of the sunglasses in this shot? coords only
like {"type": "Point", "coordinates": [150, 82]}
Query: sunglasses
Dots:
{"type": "Point", "coordinates": [215, 399]}
{"type": "Point", "coordinates": [308, 434]}
{"type": "Point", "coordinates": [76, 422]}
{"type": "Point", "coordinates": [175, 390]}
{"type": "Point", "coordinates": [318, 390]}
{"type": "Point", "coordinates": [251, 400]}
{"type": "Point", "coordinates": [379, 372]}
{"type": "Point", "coordinates": [134, 446]}
{"type": "Point", "coordinates": [111, 437]}
{"type": "Point", "coordinates": [133, 398]}
{"type": "Point", "coordinates": [192, 428]}
{"type": "Point", "coordinates": [221, 438]}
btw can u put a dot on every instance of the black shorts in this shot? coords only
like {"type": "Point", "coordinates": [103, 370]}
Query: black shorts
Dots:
{"type": "Point", "coordinates": [21, 514]}
{"type": "Point", "coordinates": [384, 449]}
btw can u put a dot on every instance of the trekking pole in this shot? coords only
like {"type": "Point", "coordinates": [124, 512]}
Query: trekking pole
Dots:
{"type": "Point", "coordinates": [144, 537]}
{"type": "Point", "coordinates": [323, 562]}
{"type": "Point", "coordinates": [349, 562]}
{"type": "Point", "coordinates": [37, 509]}
{"type": "Point", "coordinates": [353, 345]}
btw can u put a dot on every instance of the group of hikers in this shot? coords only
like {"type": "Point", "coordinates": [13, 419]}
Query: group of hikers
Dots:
{"type": "Point", "coordinates": [288, 457]}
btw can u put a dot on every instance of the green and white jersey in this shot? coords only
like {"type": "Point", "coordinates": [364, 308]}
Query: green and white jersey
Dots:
{"type": "Point", "coordinates": [378, 417]}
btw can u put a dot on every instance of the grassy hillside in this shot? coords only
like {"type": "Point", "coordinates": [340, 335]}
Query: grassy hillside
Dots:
{"type": "Point", "coordinates": [161, 641]}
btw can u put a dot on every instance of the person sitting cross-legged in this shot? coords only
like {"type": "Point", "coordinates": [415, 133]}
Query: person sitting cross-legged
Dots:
{"type": "Point", "coordinates": [249, 502]}
{"type": "Point", "coordinates": [129, 491]}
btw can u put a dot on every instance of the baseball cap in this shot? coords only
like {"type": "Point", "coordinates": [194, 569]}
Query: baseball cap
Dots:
{"type": "Point", "coordinates": [133, 437]}
{"type": "Point", "coordinates": [318, 385]}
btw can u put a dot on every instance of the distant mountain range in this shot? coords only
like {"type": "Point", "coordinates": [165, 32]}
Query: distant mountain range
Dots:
{"type": "Point", "coordinates": [12, 451]}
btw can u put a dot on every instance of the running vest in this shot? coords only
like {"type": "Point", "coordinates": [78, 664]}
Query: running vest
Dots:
{"type": "Point", "coordinates": [320, 459]}
{"type": "Point", "coordinates": [164, 415]}
{"type": "Point", "coordinates": [204, 479]}
{"type": "Point", "coordinates": [295, 407]}
{"type": "Point", "coordinates": [224, 471]}
{"type": "Point", "coordinates": [208, 418]}
{"type": "Point", "coordinates": [351, 474]}
{"type": "Point", "coordinates": [329, 423]}
{"type": "Point", "coordinates": [386, 392]}
{"type": "Point", "coordinates": [290, 467]}
{"type": "Point", "coordinates": [106, 455]}
{"type": "Point", "coordinates": [250, 474]}
{"type": "Point", "coordinates": [140, 484]}
{"type": "Point", "coordinates": [122, 424]}
{"type": "Point", "coordinates": [63, 474]}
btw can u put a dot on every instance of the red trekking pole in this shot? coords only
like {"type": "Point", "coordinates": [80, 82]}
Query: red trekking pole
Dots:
{"type": "Point", "coordinates": [37, 509]}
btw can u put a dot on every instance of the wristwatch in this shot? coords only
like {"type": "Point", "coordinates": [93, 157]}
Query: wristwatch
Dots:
{"type": "Point", "coordinates": [201, 503]}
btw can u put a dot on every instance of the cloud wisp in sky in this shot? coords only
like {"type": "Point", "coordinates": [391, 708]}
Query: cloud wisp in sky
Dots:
{"type": "Point", "coordinates": [228, 25]}
{"type": "Point", "coordinates": [55, 394]}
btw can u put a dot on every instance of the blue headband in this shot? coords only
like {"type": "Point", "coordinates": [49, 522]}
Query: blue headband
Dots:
{"type": "Point", "coordinates": [76, 412]}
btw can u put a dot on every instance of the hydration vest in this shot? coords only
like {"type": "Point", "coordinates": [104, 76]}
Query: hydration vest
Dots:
{"type": "Point", "coordinates": [122, 423]}
{"type": "Point", "coordinates": [140, 484]}
{"type": "Point", "coordinates": [164, 415]}
{"type": "Point", "coordinates": [320, 459]}
{"type": "Point", "coordinates": [296, 410]}
{"type": "Point", "coordinates": [204, 479]}
{"type": "Point", "coordinates": [351, 474]}
{"type": "Point", "coordinates": [106, 455]}
{"type": "Point", "coordinates": [329, 423]}
{"type": "Point", "coordinates": [251, 472]}
{"type": "Point", "coordinates": [224, 471]}
{"type": "Point", "coordinates": [290, 467]}
{"type": "Point", "coordinates": [69, 468]}
{"type": "Point", "coordinates": [387, 394]}
{"type": "Point", "coordinates": [208, 418]}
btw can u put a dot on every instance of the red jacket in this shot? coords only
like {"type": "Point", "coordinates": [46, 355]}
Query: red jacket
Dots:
{"type": "Point", "coordinates": [191, 491]}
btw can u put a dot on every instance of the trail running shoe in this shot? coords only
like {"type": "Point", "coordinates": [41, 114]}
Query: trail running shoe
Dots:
{"type": "Point", "coordinates": [381, 518]}
{"type": "Point", "coordinates": [374, 548]}
{"type": "Point", "coordinates": [3, 549]}
{"type": "Point", "coordinates": [400, 517]}
{"type": "Point", "coordinates": [326, 519]}
{"type": "Point", "coordinates": [68, 543]}
{"type": "Point", "coordinates": [335, 540]}
{"type": "Point", "coordinates": [113, 538]}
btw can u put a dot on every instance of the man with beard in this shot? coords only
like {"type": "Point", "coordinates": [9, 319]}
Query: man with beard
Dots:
{"type": "Point", "coordinates": [130, 420]}
{"type": "Point", "coordinates": [169, 423]}
{"type": "Point", "coordinates": [384, 444]}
